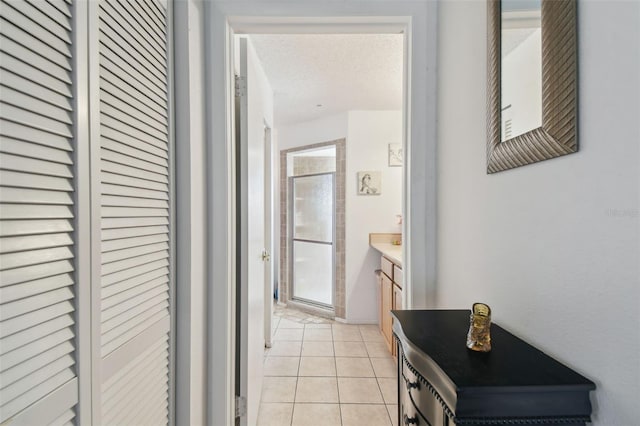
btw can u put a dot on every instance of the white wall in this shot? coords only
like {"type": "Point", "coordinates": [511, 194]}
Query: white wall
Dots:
{"type": "Point", "coordinates": [553, 247]}
{"type": "Point", "coordinates": [368, 134]}
{"type": "Point", "coordinates": [321, 130]}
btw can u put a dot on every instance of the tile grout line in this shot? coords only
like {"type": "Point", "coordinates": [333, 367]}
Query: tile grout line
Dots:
{"type": "Point", "coordinates": [335, 364]}
{"type": "Point", "coordinates": [295, 391]}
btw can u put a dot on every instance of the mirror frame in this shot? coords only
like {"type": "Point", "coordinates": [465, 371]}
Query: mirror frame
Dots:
{"type": "Point", "coordinates": [558, 134]}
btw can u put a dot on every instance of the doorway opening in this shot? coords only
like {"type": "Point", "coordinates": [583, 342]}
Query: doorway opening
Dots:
{"type": "Point", "coordinates": [417, 22]}
{"type": "Point", "coordinates": [356, 84]}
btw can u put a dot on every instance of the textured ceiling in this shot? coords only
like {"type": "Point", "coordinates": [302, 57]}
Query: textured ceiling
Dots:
{"type": "Point", "coordinates": [340, 72]}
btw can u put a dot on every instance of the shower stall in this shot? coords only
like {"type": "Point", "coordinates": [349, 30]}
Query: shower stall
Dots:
{"type": "Point", "coordinates": [312, 238]}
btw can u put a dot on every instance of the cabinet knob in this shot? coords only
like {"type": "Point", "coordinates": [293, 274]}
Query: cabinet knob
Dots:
{"type": "Point", "coordinates": [410, 420]}
{"type": "Point", "coordinates": [411, 385]}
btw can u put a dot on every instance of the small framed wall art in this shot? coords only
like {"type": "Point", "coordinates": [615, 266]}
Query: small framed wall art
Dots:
{"type": "Point", "coordinates": [369, 183]}
{"type": "Point", "coordinates": [395, 155]}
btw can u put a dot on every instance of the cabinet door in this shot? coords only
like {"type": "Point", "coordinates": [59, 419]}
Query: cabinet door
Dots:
{"type": "Point", "coordinates": [380, 316]}
{"type": "Point", "coordinates": [386, 297]}
{"type": "Point", "coordinates": [396, 303]}
{"type": "Point", "coordinates": [397, 298]}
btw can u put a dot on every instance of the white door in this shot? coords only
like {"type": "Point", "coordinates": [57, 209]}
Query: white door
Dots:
{"type": "Point", "coordinates": [85, 232]}
{"type": "Point", "coordinates": [268, 241]}
{"type": "Point", "coordinates": [38, 145]}
{"type": "Point", "coordinates": [133, 178]}
{"type": "Point", "coordinates": [250, 205]}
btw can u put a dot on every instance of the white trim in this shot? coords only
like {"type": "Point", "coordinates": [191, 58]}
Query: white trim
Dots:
{"type": "Point", "coordinates": [95, 228]}
{"type": "Point", "coordinates": [183, 219]}
{"type": "Point", "coordinates": [82, 212]}
{"type": "Point", "coordinates": [418, 20]}
{"type": "Point", "coordinates": [318, 25]}
{"type": "Point", "coordinates": [171, 139]}
{"type": "Point", "coordinates": [221, 230]}
{"type": "Point", "coordinates": [51, 406]}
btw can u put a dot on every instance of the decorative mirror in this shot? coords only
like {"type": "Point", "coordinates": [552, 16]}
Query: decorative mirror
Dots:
{"type": "Point", "coordinates": [531, 82]}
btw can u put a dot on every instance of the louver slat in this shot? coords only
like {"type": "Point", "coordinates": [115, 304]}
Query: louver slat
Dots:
{"type": "Point", "coordinates": [34, 272]}
{"type": "Point", "coordinates": [31, 288]}
{"type": "Point", "coordinates": [157, 236]}
{"type": "Point", "coordinates": [112, 386]}
{"type": "Point", "coordinates": [31, 227]}
{"type": "Point", "coordinates": [115, 156]}
{"type": "Point", "coordinates": [35, 151]}
{"type": "Point", "coordinates": [65, 419]}
{"type": "Point", "coordinates": [37, 362]}
{"type": "Point", "coordinates": [115, 92]}
{"type": "Point", "coordinates": [135, 209]}
{"type": "Point", "coordinates": [127, 233]}
{"type": "Point", "coordinates": [37, 297]}
{"type": "Point", "coordinates": [113, 395]}
{"type": "Point", "coordinates": [23, 14]}
{"type": "Point", "coordinates": [130, 15]}
{"type": "Point", "coordinates": [33, 242]}
{"type": "Point", "coordinates": [34, 89]}
{"type": "Point", "coordinates": [38, 390]}
{"type": "Point", "coordinates": [32, 73]}
{"type": "Point", "coordinates": [122, 149]}
{"type": "Point", "coordinates": [22, 53]}
{"type": "Point", "coordinates": [134, 282]}
{"type": "Point", "coordinates": [148, 371]}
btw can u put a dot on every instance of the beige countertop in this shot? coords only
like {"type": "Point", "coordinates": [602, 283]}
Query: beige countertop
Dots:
{"type": "Point", "coordinates": [383, 243]}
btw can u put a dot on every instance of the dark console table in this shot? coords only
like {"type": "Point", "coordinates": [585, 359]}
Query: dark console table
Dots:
{"type": "Point", "coordinates": [442, 383]}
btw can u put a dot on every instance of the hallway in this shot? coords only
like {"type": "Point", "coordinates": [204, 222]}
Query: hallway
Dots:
{"type": "Point", "coordinates": [321, 372]}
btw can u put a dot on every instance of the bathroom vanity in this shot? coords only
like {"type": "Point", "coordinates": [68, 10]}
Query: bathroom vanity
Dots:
{"type": "Point", "coordinates": [390, 281]}
{"type": "Point", "coordinates": [441, 382]}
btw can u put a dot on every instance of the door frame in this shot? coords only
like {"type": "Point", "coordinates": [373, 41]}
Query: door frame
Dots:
{"type": "Point", "coordinates": [417, 20]}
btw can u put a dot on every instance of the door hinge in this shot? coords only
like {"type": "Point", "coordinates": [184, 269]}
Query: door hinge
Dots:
{"type": "Point", "coordinates": [241, 86]}
{"type": "Point", "coordinates": [241, 406]}
{"type": "Point", "coordinates": [266, 257]}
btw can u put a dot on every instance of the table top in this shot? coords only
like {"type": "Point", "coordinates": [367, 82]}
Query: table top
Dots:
{"type": "Point", "coordinates": [512, 362]}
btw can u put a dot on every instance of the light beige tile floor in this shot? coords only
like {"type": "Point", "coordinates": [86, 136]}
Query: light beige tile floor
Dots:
{"type": "Point", "coordinates": [325, 373]}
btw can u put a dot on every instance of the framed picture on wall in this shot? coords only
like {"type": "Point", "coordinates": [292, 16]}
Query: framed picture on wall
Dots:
{"type": "Point", "coordinates": [395, 155]}
{"type": "Point", "coordinates": [369, 183]}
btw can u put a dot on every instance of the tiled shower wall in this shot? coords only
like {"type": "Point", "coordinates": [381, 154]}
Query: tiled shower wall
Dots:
{"type": "Point", "coordinates": [312, 165]}
{"type": "Point", "coordinates": [307, 166]}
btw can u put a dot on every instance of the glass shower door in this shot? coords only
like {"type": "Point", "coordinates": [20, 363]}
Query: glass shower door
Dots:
{"type": "Point", "coordinates": [312, 238]}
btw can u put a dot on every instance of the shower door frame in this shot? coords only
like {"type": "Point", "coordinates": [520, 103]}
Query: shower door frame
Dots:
{"type": "Point", "coordinates": [291, 239]}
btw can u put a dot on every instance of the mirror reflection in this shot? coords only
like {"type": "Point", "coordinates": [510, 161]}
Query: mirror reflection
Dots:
{"type": "Point", "coordinates": [521, 67]}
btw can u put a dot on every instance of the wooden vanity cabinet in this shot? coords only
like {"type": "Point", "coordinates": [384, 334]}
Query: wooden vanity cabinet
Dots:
{"type": "Point", "coordinates": [396, 304]}
{"type": "Point", "coordinates": [390, 298]}
{"type": "Point", "coordinates": [386, 296]}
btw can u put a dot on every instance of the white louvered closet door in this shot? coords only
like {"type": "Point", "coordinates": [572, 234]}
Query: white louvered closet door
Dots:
{"type": "Point", "coordinates": [38, 382]}
{"type": "Point", "coordinates": [135, 208]}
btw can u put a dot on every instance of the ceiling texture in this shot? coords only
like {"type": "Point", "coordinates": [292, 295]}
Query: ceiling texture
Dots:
{"type": "Point", "coordinates": [317, 75]}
